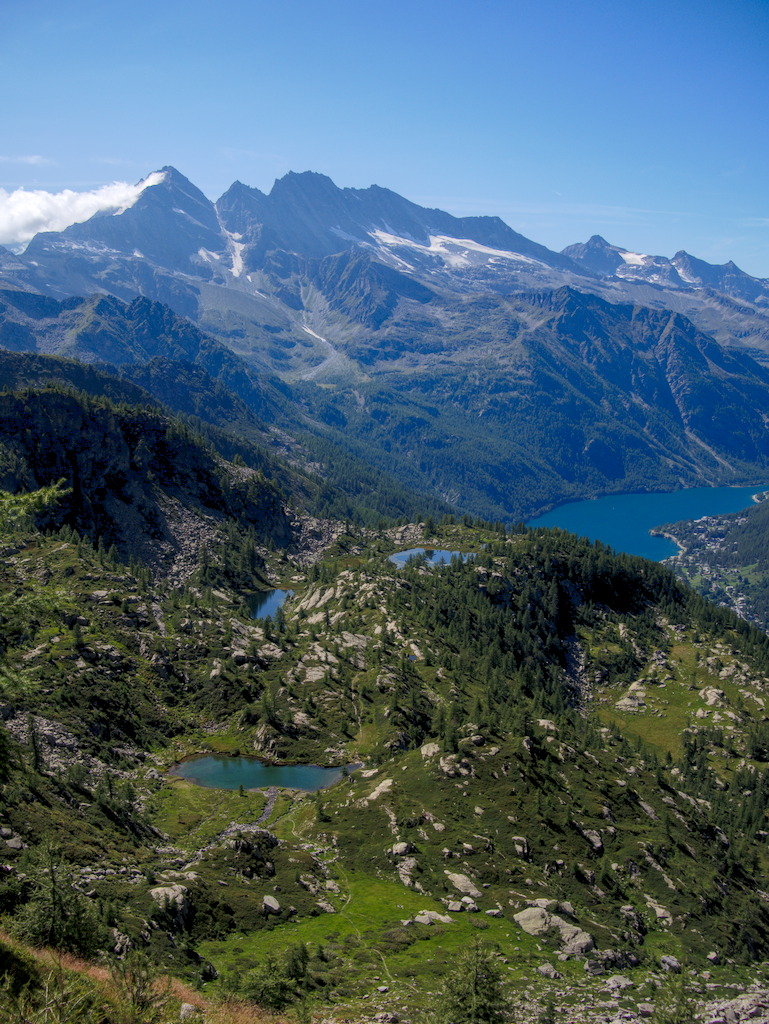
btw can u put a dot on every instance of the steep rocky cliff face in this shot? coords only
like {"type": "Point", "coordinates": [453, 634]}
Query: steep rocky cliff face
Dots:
{"type": "Point", "coordinates": [137, 479]}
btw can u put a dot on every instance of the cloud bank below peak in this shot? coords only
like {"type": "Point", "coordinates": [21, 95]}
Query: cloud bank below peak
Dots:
{"type": "Point", "coordinates": [23, 213]}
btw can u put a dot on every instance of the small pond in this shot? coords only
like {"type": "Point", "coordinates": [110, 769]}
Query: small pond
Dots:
{"type": "Point", "coordinates": [218, 771]}
{"type": "Point", "coordinates": [264, 603]}
{"type": "Point", "coordinates": [434, 556]}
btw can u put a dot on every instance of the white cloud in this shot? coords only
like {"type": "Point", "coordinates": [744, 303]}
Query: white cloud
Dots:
{"type": "Point", "coordinates": [33, 159]}
{"type": "Point", "coordinates": [23, 213]}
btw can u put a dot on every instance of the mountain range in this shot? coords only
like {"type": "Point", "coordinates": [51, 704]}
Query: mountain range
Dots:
{"type": "Point", "coordinates": [481, 368]}
{"type": "Point", "coordinates": [558, 756]}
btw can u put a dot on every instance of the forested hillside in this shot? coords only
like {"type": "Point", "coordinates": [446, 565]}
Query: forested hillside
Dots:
{"type": "Point", "coordinates": [562, 756]}
{"type": "Point", "coordinates": [553, 760]}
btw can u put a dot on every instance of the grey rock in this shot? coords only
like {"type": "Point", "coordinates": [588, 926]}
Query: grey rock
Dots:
{"type": "Point", "coordinates": [538, 920]}
{"type": "Point", "coordinates": [121, 942]}
{"type": "Point", "coordinates": [534, 920]}
{"type": "Point", "coordinates": [548, 971]}
{"type": "Point", "coordinates": [576, 941]}
{"type": "Point", "coordinates": [594, 967]}
{"type": "Point", "coordinates": [521, 846]}
{"type": "Point", "coordinates": [402, 849]}
{"type": "Point", "coordinates": [176, 895]}
{"type": "Point", "coordinates": [431, 917]}
{"type": "Point", "coordinates": [618, 982]}
{"type": "Point", "coordinates": [463, 884]}
{"type": "Point", "coordinates": [270, 905]}
{"type": "Point", "coordinates": [594, 838]}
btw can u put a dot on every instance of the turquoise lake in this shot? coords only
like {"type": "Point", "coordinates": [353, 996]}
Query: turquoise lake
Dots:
{"type": "Point", "coordinates": [264, 603]}
{"type": "Point", "coordinates": [221, 772]}
{"type": "Point", "coordinates": [623, 521]}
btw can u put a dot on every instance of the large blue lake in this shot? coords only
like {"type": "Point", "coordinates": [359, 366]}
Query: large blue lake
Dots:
{"type": "Point", "coordinates": [221, 772]}
{"type": "Point", "coordinates": [623, 520]}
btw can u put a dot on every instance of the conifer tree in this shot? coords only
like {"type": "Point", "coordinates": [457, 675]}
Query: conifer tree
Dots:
{"type": "Point", "coordinates": [473, 992]}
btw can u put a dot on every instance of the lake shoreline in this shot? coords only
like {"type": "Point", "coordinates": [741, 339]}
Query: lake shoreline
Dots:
{"type": "Point", "coordinates": [550, 507]}
{"type": "Point", "coordinates": [638, 523]}
{"type": "Point", "coordinates": [246, 762]}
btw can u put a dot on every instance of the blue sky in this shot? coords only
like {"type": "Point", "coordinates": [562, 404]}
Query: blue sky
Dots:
{"type": "Point", "coordinates": [642, 121]}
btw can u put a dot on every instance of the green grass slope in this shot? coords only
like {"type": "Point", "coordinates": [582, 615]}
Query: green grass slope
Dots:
{"type": "Point", "coordinates": [562, 753]}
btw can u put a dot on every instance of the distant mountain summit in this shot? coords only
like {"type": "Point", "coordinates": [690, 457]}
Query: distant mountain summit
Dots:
{"type": "Point", "coordinates": [176, 246]}
{"type": "Point", "coordinates": [597, 255]}
{"type": "Point", "coordinates": [683, 271]}
{"type": "Point", "coordinates": [168, 224]}
{"type": "Point", "coordinates": [482, 368]}
{"type": "Point", "coordinates": [173, 226]}
{"type": "Point", "coordinates": [307, 214]}
{"type": "Point", "coordinates": [245, 267]}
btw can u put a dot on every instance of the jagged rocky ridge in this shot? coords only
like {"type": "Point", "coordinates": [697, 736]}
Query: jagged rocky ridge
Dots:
{"type": "Point", "coordinates": [573, 395]}
{"type": "Point", "coordinates": [135, 479]}
{"type": "Point", "coordinates": [475, 365]}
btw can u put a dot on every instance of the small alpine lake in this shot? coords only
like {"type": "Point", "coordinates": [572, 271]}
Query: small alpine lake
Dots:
{"type": "Point", "coordinates": [219, 771]}
{"type": "Point", "coordinates": [433, 556]}
{"type": "Point", "coordinates": [263, 604]}
{"type": "Point", "coordinates": [623, 521]}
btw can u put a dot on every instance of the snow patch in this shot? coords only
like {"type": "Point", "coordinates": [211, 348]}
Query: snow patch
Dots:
{"type": "Point", "coordinates": [190, 218]}
{"type": "Point", "coordinates": [237, 258]}
{"type": "Point", "coordinates": [686, 277]}
{"type": "Point", "coordinates": [309, 330]}
{"type": "Point", "coordinates": [634, 259]}
{"type": "Point", "coordinates": [236, 248]}
{"type": "Point", "coordinates": [454, 252]}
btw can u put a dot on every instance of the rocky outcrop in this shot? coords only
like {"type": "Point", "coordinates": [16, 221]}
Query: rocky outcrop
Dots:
{"type": "Point", "coordinates": [175, 901]}
{"type": "Point", "coordinates": [539, 920]}
{"type": "Point", "coordinates": [136, 479]}
{"type": "Point", "coordinates": [463, 884]}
